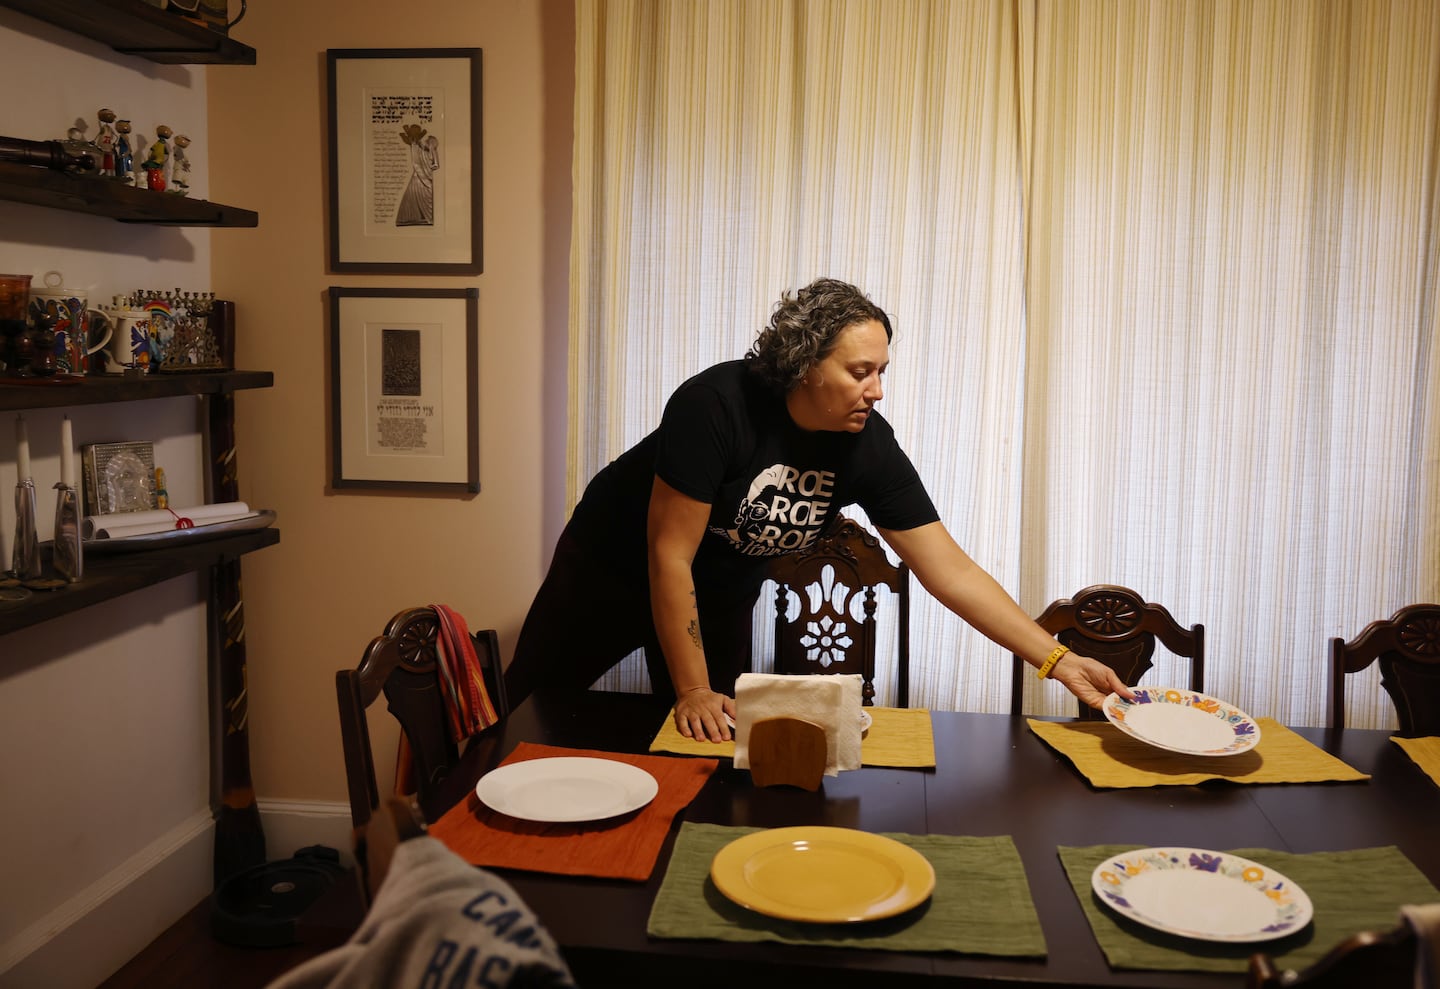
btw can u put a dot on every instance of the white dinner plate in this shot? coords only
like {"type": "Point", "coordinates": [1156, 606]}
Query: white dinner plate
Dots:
{"type": "Point", "coordinates": [1183, 721]}
{"type": "Point", "coordinates": [822, 874]}
{"type": "Point", "coordinates": [566, 788]}
{"type": "Point", "coordinates": [1210, 896]}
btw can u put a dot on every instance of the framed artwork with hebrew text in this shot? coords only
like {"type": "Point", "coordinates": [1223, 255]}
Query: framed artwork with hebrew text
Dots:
{"type": "Point", "coordinates": [404, 127]}
{"type": "Point", "coordinates": [404, 389]}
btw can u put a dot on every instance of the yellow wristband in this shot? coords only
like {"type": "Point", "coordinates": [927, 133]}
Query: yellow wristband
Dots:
{"type": "Point", "coordinates": [1050, 661]}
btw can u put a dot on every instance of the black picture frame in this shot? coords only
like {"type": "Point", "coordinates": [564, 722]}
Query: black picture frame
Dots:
{"type": "Point", "coordinates": [405, 389]}
{"type": "Point", "coordinates": [405, 186]}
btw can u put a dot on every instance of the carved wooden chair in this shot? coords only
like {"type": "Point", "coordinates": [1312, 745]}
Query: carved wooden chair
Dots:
{"type": "Point", "coordinates": [1374, 959]}
{"type": "Point", "coordinates": [1119, 628]}
{"type": "Point", "coordinates": [1408, 648]}
{"type": "Point", "coordinates": [401, 664]}
{"type": "Point", "coordinates": [825, 603]}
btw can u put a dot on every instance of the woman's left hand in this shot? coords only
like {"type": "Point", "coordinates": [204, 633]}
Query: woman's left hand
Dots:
{"type": "Point", "coordinates": [1089, 679]}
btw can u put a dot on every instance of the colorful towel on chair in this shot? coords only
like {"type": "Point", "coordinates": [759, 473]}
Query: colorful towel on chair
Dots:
{"type": "Point", "coordinates": [467, 702]}
{"type": "Point", "coordinates": [466, 699]}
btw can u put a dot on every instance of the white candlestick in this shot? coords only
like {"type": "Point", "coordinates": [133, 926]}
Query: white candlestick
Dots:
{"type": "Point", "coordinates": [22, 448]}
{"type": "Point", "coordinates": [67, 451]}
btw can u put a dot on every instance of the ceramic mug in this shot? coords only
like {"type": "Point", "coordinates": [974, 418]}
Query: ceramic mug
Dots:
{"type": "Point", "coordinates": [79, 330]}
{"type": "Point", "coordinates": [161, 331]}
{"type": "Point", "coordinates": [129, 340]}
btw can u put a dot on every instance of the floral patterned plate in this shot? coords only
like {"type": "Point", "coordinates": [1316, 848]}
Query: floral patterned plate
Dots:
{"type": "Point", "coordinates": [1210, 896]}
{"type": "Point", "coordinates": [1183, 721]}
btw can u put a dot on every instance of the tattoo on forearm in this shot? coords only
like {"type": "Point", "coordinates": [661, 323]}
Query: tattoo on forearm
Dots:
{"type": "Point", "coordinates": [694, 627]}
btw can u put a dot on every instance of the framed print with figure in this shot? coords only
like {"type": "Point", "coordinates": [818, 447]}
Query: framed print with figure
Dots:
{"type": "Point", "coordinates": [404, 389]}
{"type": "Point", "coordinates": [404, 160]}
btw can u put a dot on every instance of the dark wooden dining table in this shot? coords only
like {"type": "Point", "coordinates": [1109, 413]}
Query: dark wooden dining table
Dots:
{"type": "Point", "coordinates": [993, 776]}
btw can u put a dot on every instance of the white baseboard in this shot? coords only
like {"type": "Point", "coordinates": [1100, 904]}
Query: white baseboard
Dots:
{"type": "Point", "coordinates": [294, 824]}
{"type": "Point", "coordinates": [83, 941]}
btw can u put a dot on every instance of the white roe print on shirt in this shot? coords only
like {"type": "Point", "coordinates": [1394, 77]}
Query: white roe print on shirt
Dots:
{"type": "Point", "coordinates": [783, 512]}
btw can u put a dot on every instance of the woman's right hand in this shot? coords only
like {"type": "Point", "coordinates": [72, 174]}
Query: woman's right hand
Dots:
{"type": "Point", "coordinates": [1089, 679]}
{"type": "Point", "coordinates": [700, 713]}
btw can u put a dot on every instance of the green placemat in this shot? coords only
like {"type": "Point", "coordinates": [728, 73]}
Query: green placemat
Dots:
{"type": "Point", "coordinates": [1351, 891]}
{"type": "Point", "coordinates": [981, 903]}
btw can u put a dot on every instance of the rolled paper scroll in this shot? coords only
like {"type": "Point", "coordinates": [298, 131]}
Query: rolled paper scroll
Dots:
{"type": "Point", "coordinates": [118, 525]}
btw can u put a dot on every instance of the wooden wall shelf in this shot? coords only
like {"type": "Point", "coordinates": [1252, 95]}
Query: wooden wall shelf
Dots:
{"type": "Point", "coordinates": [102, 388]}
{"type": "Point", "coordinates": [134, 27]}
{"type": "Point", "coordinates": [110, 576]}
{"type": "Point", "coordinates": [107, 197]}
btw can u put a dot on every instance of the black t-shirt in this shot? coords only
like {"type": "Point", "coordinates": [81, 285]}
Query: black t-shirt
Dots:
{"type": "Point", "coordinates": [727, 440]}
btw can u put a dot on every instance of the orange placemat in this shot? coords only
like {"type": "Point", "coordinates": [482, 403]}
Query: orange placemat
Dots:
{"type": "Point", "coordinates": [901, 737]}
{"type": "Point", "coordinates": [622, 848]}
{"type": "Point", "coordinates": [1108, 757]}
{"type": "Point", "coordinates": [1424, 752]}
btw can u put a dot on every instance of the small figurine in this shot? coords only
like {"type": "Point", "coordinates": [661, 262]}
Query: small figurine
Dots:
{"type": "Point", "coordinates": [159, 156]}
{"type": "Point", "coordinates": [180, 166]}
{"type": "Point", "coordinates": [162, 497]}
{"type": "Point", "coordinates": [42, 362]}
{"type": "Point", "coordinates": [124, 155]}
{"type": "Point", "coordinates": [105, 141]}
{"type": "Point", "coordinates": [160, 329]}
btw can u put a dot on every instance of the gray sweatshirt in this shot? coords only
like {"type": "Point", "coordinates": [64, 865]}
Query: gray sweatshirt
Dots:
{"type": "Point", "coordinates": [438, 921]}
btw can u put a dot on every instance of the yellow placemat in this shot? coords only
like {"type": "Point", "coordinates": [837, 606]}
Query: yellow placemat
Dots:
{"type": "Point", "coordinates": [900, 737]}
{"type": "Point", "coordinates": [1108, 757]}
{"type": "Point", "coordinates": [1425, 752]}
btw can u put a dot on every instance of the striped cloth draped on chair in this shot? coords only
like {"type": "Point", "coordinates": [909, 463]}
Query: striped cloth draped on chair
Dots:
{"type": "Point", "coordinates": [468, 702]}
{"type": "Point", "coordinates": [468, 707]}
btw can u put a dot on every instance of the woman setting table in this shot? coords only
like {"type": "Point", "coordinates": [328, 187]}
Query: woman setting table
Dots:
{"type": "Point", "coordinates": [753, 458]}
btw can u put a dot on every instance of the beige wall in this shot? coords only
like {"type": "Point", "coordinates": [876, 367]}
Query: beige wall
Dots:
{"type": "Point", "coordinates": [347, 561]}
{"type": "Point", "coordinates": [105, 764]}
{"type": "Point", "coordinates": [103, 713]}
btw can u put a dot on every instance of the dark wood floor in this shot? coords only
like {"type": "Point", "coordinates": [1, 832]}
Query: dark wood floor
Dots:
{"type": "Point", "coordinates": [187, 956]}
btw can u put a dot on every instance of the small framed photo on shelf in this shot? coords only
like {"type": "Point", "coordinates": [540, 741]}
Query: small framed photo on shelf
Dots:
{"type": "Point", "coordinates": [404, 389]}
{"type": "Point", "coordinates": [118, 477]}
{"type": "Point", "coordinates": [404, 160]}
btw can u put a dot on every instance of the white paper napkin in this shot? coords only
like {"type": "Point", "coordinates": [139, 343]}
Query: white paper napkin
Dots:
{"type": "Point", "coordinates": [831, 701]}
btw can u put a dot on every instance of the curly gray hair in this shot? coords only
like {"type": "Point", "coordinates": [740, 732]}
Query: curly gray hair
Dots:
{"type": "Point", "coordinates": [804, 327]}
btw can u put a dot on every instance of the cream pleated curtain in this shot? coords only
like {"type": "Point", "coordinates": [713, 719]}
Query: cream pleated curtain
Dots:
{"type": "Point", "coordinates": [1165, 279]}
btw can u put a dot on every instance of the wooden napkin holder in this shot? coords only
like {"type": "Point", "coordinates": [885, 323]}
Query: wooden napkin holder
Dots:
{"type": "Point", "coordinates": [787, 752]}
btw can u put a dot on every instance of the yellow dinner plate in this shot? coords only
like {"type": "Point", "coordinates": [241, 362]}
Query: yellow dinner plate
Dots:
{"type": "Point", "coordinates": [822, 875]}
